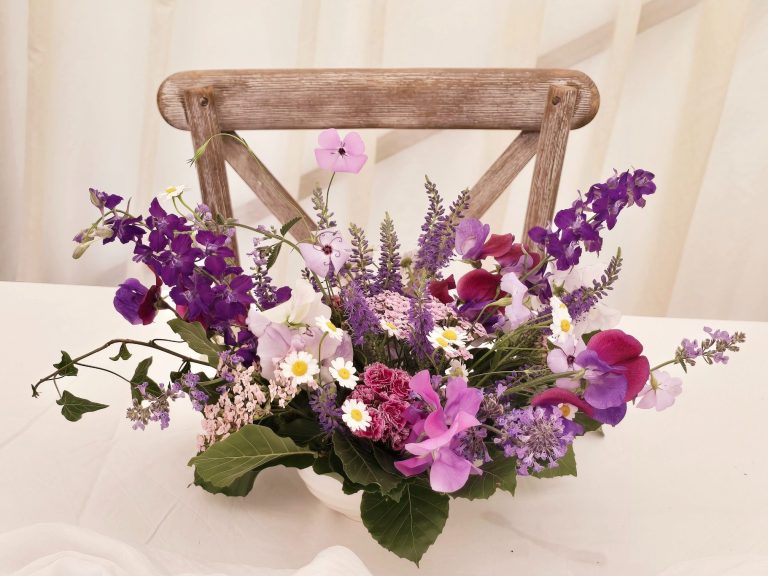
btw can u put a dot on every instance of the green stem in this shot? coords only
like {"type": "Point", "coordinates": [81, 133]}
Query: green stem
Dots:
{"type": "Point", "coordinates": [104, 370]}
{"type": "Point", "coordinates": [328, 191]}
{"type": "Point", "coordinates": [667, 363]}
{"type": "Point", "coordinates": [542, 380]}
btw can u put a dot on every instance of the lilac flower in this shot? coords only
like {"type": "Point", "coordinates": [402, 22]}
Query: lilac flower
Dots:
{"type": "Point", "coordinates": [712, 350]}
{"type": "Point", "coordinates": [536, 436]}
{"type": "Point", "coordinates": [339, 155]}
{"type": "Point", "coordinates": [103, 201]}
{"type": "Point", "coordinates": [448, 471]}
{"type": "Point", "coordinates": [516, 311]}
{"type": "Point", "coordinates": [563, 359]}
{"type": "Point", "coordinates": [470, 238]}
{"type": "Point", "coordinates": [135, 302]}
{"type": "Point", "coordinates": [328, 254]}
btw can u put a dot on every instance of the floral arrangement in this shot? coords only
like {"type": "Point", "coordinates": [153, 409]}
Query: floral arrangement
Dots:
{"type": "Point", "coordinates": [406, 382]}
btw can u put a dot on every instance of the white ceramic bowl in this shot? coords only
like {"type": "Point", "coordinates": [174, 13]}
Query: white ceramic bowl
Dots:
{"type": "Point", "coordinates": [328, 490]}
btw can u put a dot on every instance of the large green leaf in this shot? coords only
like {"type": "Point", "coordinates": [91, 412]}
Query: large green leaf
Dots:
{"type": "Point", "coordinates": [409, 526]}
{"type": "Point", "coordinates": [566, 466]}
{"type": "Point", "coordinates": [73, 408]}
{"type": "Point", "coordinates": [194, 335]}
{"type": "Point", "coordinates": [500, 473]}
{"type": "Point", "coordinates": [361, 464]}
{"type": "Point", "coordinates": [141, 376]}
{"type": "Point", "coordinates": [240, 487]}
{"type": "Point", "coordinates": [253, 447]}
{"type": "Point", "coordinates": [66, 366]}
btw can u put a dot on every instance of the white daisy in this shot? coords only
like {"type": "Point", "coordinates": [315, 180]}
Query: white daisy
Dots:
{"type": "Point", "coordinates": [457, 369]}
{"type": "Point", "coordinates": [447, 338]}
{"type": "Point", "coordinates": [562, 324]}
{"type": "Point", "coordinates": [343, 372]}
{"type": "Point", "coordinates": [174, 191]}
{"type": "Point", "coordinates": [567, 410]}
{"type": "Point", "coordinates": [390, 328]}
{"type": "Point", "coordinates": [355, 415]}
{"type": "Point", "coordinates": [299, 367]}
{"type": "Point", "coordinates": [329, 328]}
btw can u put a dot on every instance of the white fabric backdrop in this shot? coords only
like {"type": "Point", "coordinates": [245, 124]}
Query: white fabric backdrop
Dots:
{"type": "Point", "coordinates": [681, 83]}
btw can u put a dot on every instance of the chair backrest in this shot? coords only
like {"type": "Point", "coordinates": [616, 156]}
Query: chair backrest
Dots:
{"type": "Point", "coordinates": [543, 104]}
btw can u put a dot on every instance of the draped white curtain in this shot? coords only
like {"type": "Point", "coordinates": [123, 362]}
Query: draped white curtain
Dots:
{"type": "Point", "coordinates": [682, 84]}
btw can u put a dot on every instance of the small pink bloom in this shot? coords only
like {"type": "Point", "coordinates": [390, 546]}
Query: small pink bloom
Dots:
{"type": "Point", "coordinates": [660, 391]}
{"type": "Point", "coordinates": [330, 249]}
{"type": "Point", "coordinates": [339, 155]}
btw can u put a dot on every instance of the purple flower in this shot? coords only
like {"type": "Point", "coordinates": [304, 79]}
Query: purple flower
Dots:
{"type": "Point", "coordinates": [213, 244]}
{"type": "Point", "coordinates": [421, 322]}
{"type": "Point", "coordinates": [103, 201]}
{"type": "Point", "coordinates": [443, 428]}
{"type": "Point", "coordinates": [328, 254]}
{"type": "Point", "coordinates": [179, 261]}
{"type": "Point", "coordinates": [163, 226]}
{"type": "Point", "coordinates": [135, 302]}
{"type": "Point", "coordinates": [123, 229]}
{"type": "Point", "coordinates": [470, 238]}
{"type": "Point", "coordinates": [339, 155]}
{"type": "Point", "coordinates": [362, 320]}
{"type": "Point", "coordinates": [536, 436]}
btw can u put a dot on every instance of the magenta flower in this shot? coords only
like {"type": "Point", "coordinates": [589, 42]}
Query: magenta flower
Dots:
{"type": "Point", "coordinates": [339, 155]}
{"type": "Point", "coordinates": [329, 252]}
{"type": "Point", "coordinates": [448, 471]}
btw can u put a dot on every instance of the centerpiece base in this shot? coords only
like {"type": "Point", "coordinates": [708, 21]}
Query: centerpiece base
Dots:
{"type": "Point", "coordinates": [328, 490]}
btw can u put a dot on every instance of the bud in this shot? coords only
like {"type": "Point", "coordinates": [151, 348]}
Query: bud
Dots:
{"type": "Point", "coordinates": [104, 232]}
{"type": "Point", "coordinates": [81, 248]}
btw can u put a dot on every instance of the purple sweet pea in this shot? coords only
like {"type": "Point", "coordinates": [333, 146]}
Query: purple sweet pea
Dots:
{"type": "Point", "coordinates": [135, 302]}
{"type": "Point", "coordinates": [448, 471]}
{"type": "Point", "coordinates": [470, 238]}
{"type": "Point", "coordinates": [328, 254]}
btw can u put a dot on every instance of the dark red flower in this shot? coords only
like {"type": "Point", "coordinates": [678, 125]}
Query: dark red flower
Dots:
{"type": "Point", "coordinates": [478, 286]}
{"type": "Point", "coordinates": [497, 245]}
{"type": "Point", "coordinates": [439, 289]}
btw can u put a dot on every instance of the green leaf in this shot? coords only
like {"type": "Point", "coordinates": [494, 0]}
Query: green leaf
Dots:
{"type": "Point", "coordinates": [123, 354]}
{"type": "Point", "coordinates": [240, 487]}
{"type": "Point", "coordinates": [288, 225]}
{"type": "Point", "coordinates": [361, 464]}
{"type": "Point", "coordinates": [273, 256]}
{"type": "Point", "coordinates": [407, 527]}
{"type": "Point", "coordinates": [566, 466]}
{"type": "Point", "coordinates": [66, 367]}
{"type": "Point", "coordinates": [194, 335]}
{"type": "Point", "coordinates": [253, 447]}
{"type": "Point", "coordinates": [73, 408]}
{"type": "Point", "coordinates": [501, 472]}
{"type": "Point", "coordinates": [140, 376]}
{"type": "Point", "coordinates": [586, 422]}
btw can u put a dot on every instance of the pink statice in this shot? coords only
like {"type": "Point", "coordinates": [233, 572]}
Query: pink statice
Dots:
{"type": "Point", "coordinates": [393, 308]}
{"type": "Point", "coordinates": [242, 401]}
{"type": "Point", "coordinates": [385, 393]}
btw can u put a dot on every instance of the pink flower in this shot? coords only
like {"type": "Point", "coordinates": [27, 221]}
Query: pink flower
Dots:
{"type": "Point", "coordinates": [329, 250]}
{"type": "Point", "coordinates": [339, 155]}
{"type": "Point", "coordinates": [660, 391]}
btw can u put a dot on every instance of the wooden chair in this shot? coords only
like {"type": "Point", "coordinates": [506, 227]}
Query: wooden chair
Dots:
{"type": "Point", "coordinates": [544, 104]}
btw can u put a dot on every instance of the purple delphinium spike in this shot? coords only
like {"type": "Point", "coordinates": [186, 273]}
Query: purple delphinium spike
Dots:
{"type": "Point", "coordinates": [421, 322]}
{"type": "Point", "coordinates": [362, 320]}
{"type": "Point", "coordinates": [323, 404]}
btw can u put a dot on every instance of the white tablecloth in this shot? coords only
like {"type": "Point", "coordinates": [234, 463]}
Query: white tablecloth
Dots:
{"type": "Point", "coordinates": [668, 492]}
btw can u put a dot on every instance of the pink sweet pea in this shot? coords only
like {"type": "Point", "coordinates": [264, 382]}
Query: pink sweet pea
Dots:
{"type": "Point", "coordinates": [448, 471]}
{"type": "Point", "coordinates": [329, 250]}
{"type": "Point", "coordinates": [339, 155]}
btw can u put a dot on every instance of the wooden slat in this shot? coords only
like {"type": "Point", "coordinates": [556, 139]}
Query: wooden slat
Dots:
{"type": "Point", "coordinates": [493, 99]}
{"type": "Point", "coordinates": [549, 156]}
{"type": "Point", "coordinates": [267, 188]}
{"type": "Point", "coordinates": [500, 175]}
{"type": "Point", "coordinates": [211, 171]}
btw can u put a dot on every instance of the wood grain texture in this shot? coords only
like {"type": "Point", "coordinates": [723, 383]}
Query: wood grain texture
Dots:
{"type": "Point", "coordinates": [488, 98]}
{"type": "Point", "coordinates": [267, 188]}
{"type": "Point", "coordinates": [200, 112]}
{"type": "Point", "coordinates": [499, 176]}
{"type": "Point", "coordinates": [550, 153]}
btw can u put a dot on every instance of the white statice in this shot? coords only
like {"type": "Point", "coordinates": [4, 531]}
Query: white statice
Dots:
{"type": "Point", "coordinates": [300, 368]}
{"type": "Point", "coordinates": [329, 328]}
{"type": "Point", "coordinates": [344, 372]}
{"type": "Point", "coordinates": [447, 338]}
{"type": "Point", "coordinates": [355, 415]}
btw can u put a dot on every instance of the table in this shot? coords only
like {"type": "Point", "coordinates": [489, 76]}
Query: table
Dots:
{"type": "Point", "coordinates": [660, 489]}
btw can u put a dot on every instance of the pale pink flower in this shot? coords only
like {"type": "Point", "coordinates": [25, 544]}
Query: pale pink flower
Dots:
{"type": "Point", "coordinates": [660, 391]}
{"type": "Point", "coordinates": [339, 155]}
{"type": "Point", "coordinates": [329, 251]}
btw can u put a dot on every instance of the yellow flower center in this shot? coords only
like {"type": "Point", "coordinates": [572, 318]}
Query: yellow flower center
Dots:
{"type": "Point", "coordinates": [299, 368]}
{"type": "Point", "coordinates": [343, 373]}
{"type": "Point", "coordinates": [565, 325]}
{"type": "Point", "coordinates": [331, 326]}
{"type": "Point", "coordinates": [565, 409]}
{"type": "Point", "coordinates": [391, 326]}
{"type": "Point", "coordinates": [450, 334]}
{"type": "Point", "coordinates": [442, 341]}
{"type": "Point", "coordinates": [356, 415]}
{"type": "Point", "coordinates": [170, 189]}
